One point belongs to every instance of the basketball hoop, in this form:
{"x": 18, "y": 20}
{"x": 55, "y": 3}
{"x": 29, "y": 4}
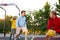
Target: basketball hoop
{"x": 10, "y": 4}
{"x": 6, "y": 4}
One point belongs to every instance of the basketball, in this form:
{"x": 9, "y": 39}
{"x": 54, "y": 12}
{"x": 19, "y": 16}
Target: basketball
{"x": 51, "y": 33}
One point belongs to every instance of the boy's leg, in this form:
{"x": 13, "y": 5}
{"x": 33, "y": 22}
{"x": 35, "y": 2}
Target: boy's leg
{"x": 25, "y": 30}
{"x": 14, "y": 31}
{"x": 17, "y": 32}
{"x": 26, "y": 34}
{"x": 11, "y": 33}
{"x": 47, "y": 37}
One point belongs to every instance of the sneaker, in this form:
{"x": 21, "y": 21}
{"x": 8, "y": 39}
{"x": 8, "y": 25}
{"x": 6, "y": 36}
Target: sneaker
{"x": 19, "y": 37}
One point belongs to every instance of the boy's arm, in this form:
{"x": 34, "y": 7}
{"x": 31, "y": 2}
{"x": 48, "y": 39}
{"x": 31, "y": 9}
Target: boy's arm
{"x": 25, "y": 23}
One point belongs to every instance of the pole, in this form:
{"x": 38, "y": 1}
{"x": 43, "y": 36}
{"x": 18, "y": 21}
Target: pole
{"x": 4, "y": 22}
{"x": 18, "y": 9}
{"x": 5, "y": 25}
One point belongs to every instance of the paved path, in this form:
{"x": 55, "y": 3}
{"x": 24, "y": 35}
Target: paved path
{"x": 8, "y": 35}
{"x": 30, "y": 37}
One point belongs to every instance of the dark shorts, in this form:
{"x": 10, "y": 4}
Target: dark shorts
{"x": 13, "y": 30}
{"x": 58, "y": 33}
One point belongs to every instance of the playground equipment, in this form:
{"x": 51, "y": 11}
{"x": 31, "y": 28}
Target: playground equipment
{"x": 10, "y": 4}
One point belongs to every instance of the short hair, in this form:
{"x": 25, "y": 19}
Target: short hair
{"x": 14, "y": 18}
{"x": 54, "y": 12}
{"x": 23, "y": 11}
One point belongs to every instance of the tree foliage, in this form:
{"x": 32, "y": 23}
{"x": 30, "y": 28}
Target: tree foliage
{"x": 8, "y": 26}
{"x": 58, "y": 7}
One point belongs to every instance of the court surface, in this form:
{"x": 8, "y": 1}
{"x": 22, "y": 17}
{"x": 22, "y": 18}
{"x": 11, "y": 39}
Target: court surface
{"x": 30, "y": 37}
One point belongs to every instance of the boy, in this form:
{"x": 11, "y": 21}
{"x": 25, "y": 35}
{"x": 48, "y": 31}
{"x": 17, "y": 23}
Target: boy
{"x": 13, "y": 27}
{"x": 21, "y": 24}
{"x": 53, "y": 25}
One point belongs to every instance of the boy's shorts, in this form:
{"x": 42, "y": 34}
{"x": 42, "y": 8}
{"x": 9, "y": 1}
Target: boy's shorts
{"x": 18, "y": 29}
{"x": 13, "y": 31}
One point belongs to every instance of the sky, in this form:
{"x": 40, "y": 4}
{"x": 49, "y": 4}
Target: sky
{"x": 24, "y": 5}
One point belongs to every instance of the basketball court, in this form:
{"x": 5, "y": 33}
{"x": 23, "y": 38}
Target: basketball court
{"x": 30, "y": 37}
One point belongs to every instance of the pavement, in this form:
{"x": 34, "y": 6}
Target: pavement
{"x": 30, "y": 37}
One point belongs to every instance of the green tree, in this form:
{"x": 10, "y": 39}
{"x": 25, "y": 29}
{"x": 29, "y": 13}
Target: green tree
{"x": 1, "y": 25}
{"x": 8, "y": 25}
{"x": 41, "y": 17}
{"x": 29, "y": 22}
{"x": 44, "y": 16}
{"x": 58, "y": 7}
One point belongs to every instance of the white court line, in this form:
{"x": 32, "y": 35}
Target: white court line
{"x": 33, "y": 37}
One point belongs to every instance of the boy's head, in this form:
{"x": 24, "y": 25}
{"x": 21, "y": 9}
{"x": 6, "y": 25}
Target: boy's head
{"x": 23, "y": 13}
{"x": 52, "y": 14}
{"x": 14, "y": 18}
